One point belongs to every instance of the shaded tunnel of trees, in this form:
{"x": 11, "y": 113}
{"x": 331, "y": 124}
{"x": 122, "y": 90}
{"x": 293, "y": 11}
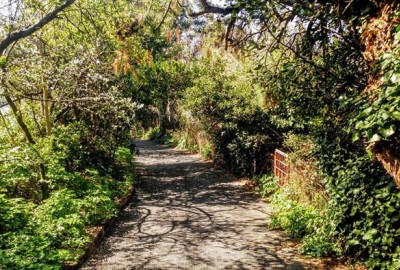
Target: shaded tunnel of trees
{"x": 232, "y": 80}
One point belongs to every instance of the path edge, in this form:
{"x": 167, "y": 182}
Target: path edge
{"x": 100, "y": 232}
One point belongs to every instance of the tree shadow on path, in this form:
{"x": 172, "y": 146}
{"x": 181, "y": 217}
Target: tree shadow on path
{"x": 191, "y": 215}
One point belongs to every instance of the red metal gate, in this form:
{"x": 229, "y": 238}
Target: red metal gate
{"x": 281, "y": 166}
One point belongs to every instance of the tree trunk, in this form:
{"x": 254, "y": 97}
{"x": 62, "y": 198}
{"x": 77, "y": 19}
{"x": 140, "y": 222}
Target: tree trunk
{"x": 7, "y": 128}
{"x": 164, "y": 122}
{"x": 29, "y": 137}
{"x": 4, "y": 45}
{"x": 46, "y": 111}
{"x": 20, "y": 120}
{"x": 391, "y": 163}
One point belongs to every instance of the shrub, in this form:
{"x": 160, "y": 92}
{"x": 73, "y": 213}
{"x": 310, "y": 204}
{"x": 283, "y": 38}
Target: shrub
{"x": 363, "y": 208}
{"x": 206, "y": 151}
{"x": 14, "y": 214}
{"x": 320, "y": 242}
{"x": 153, "y": 134}
{"x": 241, "y": 132}
{"x": 54, "y": 233}
{"x": 99, "y": 207}
{"x": 293, "y": 217}
{"x": 41, "y": 235}
{"x": 267, "y": 185}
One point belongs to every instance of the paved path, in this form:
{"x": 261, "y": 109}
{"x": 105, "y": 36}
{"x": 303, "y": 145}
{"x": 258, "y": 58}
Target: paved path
{"x": 190, "y": 215}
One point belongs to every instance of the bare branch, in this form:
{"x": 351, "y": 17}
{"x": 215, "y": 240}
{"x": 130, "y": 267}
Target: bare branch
{"x": 164, "y": 16}
{"x": 229, "y": 30}
{"x": 207, "y": 9}
{"x": 15, "y": 36}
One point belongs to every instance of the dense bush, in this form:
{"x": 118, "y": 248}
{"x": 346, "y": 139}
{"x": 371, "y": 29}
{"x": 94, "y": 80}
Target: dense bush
{"x": 240, "y": 131}
{"x": 297, "y": 218}
{"x": 267, "y": 185}
{"x": 153, "y": 134}
{"x": 54, "y": 232}
{"x": 364, "y": 207}
{"x": 292, "y": 217}
{"x": 360, "y": 219}
{"x": 36, "y": 234}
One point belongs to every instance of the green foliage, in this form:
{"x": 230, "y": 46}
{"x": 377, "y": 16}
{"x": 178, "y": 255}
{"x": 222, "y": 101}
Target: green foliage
{"x": 98, "y": 207}
{"x": 380, "y": 119}
{"x": 20, "y": 171}
{"x": 320, "y": 242}
{"x": 290, "y": 215}
{"x": 240, "y": 131}
{"x": 305, "y": 175}
{"x": 184, "y": 140}
{"x": 206, "y": 151}
{"x": 15, "y": 214}
{"x": 362, "y": 198}
{"x": 3, "y": 61}
{"x": 162, "y": 85}
{"x": 55, "y": 229}
{"x": 41, "y": 236}
{"x": 298, "y": 219}
{"x": 267, "y": 185}
{"x": 153, "y": 134}
{"x": 27, "y": 251}
{"x": 363, "y": 201}
{"x": 163, "y": 137}
{"x": 54, "y": 233}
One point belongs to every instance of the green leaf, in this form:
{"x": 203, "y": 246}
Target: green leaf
{"x": 3, "y": 60}
{"x": 370, "y": 234}
{"x": 355, "y": 137}
{"x": 353, "y": 242}
{"x": 365, "y": 112}
{"x": 385, "y": 115}
{"x": 360, "y": 125}
{"x": 393, "y": 91}
{"x": 388, "y": 131}
{"x": 396, "y": 115}
{"x": 395, "y": 78}
{"x": 376, "y": 138}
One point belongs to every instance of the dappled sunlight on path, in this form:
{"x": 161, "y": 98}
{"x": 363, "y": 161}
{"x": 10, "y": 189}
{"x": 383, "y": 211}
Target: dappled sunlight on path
{"x": 190, "y": 215}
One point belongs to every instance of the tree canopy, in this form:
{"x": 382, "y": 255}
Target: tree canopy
{"x": 232, "y": 80}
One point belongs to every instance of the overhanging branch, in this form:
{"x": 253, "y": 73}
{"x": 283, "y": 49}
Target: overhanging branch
{"x": 15, "y": 36}
{"x": 209, "y": 9}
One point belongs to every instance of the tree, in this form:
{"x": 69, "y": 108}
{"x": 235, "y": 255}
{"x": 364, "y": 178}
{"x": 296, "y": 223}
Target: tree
{"x": 5, "y": 50}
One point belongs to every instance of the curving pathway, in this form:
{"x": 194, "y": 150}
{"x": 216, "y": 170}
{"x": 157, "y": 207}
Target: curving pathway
{"x": 190, "y": 215}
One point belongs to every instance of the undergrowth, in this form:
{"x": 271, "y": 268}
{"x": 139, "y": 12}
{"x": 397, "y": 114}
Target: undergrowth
{"x": 42, "y": 234}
